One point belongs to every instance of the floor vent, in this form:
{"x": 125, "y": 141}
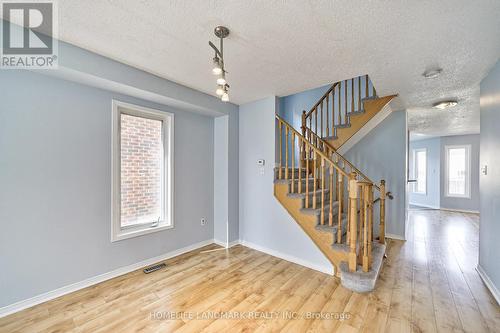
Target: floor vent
{"x": 154, "y": 268}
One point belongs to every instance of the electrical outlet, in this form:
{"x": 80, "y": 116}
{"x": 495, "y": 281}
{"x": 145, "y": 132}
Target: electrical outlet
{"x": 203, "y": 221}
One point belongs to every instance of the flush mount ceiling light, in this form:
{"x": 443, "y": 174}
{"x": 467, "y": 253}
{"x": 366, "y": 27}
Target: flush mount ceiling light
{"x": 218, "y": 64}
{"x": 432, "y": 73}
{"x": 445, "y": 104}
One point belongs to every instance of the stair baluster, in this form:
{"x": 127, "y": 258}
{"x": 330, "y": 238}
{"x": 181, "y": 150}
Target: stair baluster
{"x": 346, "y": 118}
{"x": 286, "y": 152}
{"x": 280, "y": 150}
{"x": 364, "y": 220}
{"x": 359, "y": 94}
{"x": 352, "y": 96}
{"x": 382, "y": 212}
{"x": 340, "y": 199}
{"x": 314, "y": 178}
{"x": 366, "y": 86}
{"x": 293, "y": 162}
{"x": 353, "y": 221}
{"x": 322, "y": 191}
{"x": 307, "y": 176}
{"x": 339, "y": 110}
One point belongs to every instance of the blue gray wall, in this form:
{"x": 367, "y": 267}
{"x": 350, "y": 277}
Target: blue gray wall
{"x": 489, "y": 229}
{"x": 264, "y": 223}
{"x": 466, "y": 204}
{"x": 291, "y": 106}
{"x": 55, "y": 197}
{"x": 381, "y": 154}
{"x": 432, "y": 198}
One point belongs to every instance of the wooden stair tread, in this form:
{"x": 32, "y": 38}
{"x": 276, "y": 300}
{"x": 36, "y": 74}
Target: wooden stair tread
{"x": 303, "y": 194}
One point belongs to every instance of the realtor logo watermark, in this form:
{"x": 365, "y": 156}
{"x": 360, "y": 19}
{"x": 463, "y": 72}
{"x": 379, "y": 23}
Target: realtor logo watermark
{"x": 29, "y": 35}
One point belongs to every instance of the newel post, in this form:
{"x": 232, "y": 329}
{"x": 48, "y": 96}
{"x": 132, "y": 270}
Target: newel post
{"x": 382, "y": 212}
{"x": 353, "y": 221}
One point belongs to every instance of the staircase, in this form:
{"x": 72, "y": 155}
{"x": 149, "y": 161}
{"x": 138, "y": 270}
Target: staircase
{"x": 331, "y": 199}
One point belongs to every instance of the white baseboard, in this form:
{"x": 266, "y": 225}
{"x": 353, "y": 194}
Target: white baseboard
{"x": 225, "y": 244}
{"x": 220, "y": 243}
{"x": 324, "y": 269}
{"x": 394, "y": 236}
{"x": 460, "y": 210}
{"x": 24, "y": 304}
{"x": 487, "y": 281}
{"x": 425, "y": 206}
{"x": 233, "y": 243}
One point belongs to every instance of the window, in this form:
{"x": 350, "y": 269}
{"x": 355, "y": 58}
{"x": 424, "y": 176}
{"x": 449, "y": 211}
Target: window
{"x": 458, "y": 171}
{"x": 142, "y": 171}
{"x": 420, "y": 170}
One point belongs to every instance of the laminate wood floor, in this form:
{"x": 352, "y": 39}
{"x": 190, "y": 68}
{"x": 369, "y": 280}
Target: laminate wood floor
{"x": 427, "y": 284}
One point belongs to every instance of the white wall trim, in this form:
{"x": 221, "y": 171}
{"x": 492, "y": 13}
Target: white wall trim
{"x": 446, "y": 209}
{"x": 233, "y": 243}
{"x": 167, "y": 189}
{"x": 24, "y": 304}
{"x": 487, "y": 281}
{"x": 424, "y": 206}
{"x": 320, "y": 268}
{"x": 225, "y": 244}
{"x": 460, "y": 210}
{"x": 220, "y": 243}
{"x": 394, "y": 236}
{"x": 367, "y": 128}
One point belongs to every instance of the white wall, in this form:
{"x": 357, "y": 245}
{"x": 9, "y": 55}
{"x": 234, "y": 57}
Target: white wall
{"x": 263, "y": 221}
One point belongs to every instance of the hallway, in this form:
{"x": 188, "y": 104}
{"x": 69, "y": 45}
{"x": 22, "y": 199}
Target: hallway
{"x": 437, "y": 272}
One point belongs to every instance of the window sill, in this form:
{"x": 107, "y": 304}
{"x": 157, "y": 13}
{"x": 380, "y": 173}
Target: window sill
{"x": 126, "y": 234}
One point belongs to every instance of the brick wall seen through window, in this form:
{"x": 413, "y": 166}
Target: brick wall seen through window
{"x": 141, "y": 169}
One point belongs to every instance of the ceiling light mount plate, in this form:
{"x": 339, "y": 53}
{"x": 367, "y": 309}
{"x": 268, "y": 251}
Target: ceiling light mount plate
{"x": 432, "y": 73}
{"x": 221, "y": 31}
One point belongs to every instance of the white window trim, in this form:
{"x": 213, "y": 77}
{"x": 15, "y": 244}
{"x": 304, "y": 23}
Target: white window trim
{"x": 415, "y": 185}
{"x": 468, "y": 171}
{"x": 118, "y": 233}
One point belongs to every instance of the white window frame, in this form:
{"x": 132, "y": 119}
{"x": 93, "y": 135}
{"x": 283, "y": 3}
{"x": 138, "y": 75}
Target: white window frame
{"x": 467, "y": 171}
{"x": 117, "y": 231}
{"x": 415, "y": 173}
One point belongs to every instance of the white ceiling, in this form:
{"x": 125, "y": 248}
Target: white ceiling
{"x": 281, "y": 47}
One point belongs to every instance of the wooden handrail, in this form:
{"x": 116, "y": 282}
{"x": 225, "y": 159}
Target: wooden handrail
{"x": 306, "y": 141}
{"x": 322, "y": 98}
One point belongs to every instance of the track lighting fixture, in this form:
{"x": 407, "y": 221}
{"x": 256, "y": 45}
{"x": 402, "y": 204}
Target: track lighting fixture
{"x": 222, "y": 79}
{"x": 218, "y": 64}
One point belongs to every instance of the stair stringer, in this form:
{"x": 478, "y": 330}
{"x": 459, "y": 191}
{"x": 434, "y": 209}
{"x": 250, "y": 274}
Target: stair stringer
{"x": 323, "y": 240}
{"x": 375, "y": 111}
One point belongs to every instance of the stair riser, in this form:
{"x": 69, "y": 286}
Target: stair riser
{"x": 335, "y": 211}
{"x": 290, "y": 172}
{"x": 318, "y": 200}
{"x": 311, "y": 186}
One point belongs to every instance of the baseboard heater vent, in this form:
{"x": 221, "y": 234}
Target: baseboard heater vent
{"x": 154, "y": 268}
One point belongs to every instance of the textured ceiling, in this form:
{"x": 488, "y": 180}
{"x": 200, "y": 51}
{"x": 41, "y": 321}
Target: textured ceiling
{"x": 281, "y": 47}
